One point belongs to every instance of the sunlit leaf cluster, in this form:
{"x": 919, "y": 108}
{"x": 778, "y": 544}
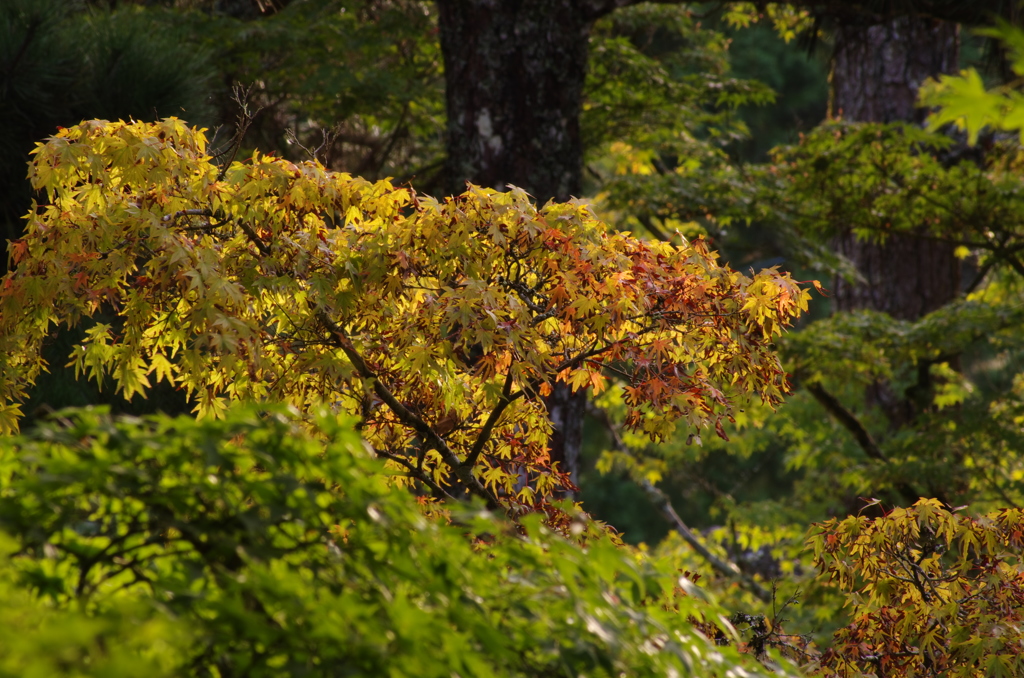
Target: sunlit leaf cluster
{"x": 443, "y": 325}
{"x": 934, "y": 592}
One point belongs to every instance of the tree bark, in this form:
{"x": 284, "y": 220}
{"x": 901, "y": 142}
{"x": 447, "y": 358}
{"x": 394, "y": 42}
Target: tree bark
{"x": 876, "y": 73}
{"x": 514, "y": 75}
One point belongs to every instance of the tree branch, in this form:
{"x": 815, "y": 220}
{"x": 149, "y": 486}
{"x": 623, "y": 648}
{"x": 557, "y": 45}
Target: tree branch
{"x": 847, "y": 419}
{"x": 656, "y": 231}
{"x": 407, "y": 417}
{"x": 414, "y": 472}
{"x": 850, "y": 422}
{"x": 492, "y": 421}
{"x": 664, "y": 504}
{"x": 728, "y": 568}
{"x": 249, "y": 233}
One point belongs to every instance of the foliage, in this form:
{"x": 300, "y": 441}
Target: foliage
{"x": 933, "y": 592}
{"x": 661, "y": 107}
{"x": 799, "y": 79}
{"x": 285, "y": 557}
{"x": 655, "y": 76}
{"x": 787, "y": 20}
{"x": 357, "y": 82}
{"x": 953, "y": 439}
{"x": 964, "y": 100}
{"x": 956, "y": 372}
{"x": 441, "y": 324}
{"x": 124, "y": 641}
{"x": 60, "y": 64}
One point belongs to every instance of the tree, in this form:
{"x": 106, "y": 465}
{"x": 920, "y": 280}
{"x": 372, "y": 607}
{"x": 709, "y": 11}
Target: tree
{"x": 442, "y": 325}
{"x": 933, "y": 592}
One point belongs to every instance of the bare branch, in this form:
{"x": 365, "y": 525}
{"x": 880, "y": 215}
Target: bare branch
{"x": 848, "y": 420}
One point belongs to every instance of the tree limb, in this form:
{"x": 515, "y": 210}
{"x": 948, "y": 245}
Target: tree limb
{"x": 492, "y": 421}
{"x": 850, "y": 422}
{"x": 728, "y": 568}
{"x": 407, "y": 417}
{"x": 847, "y": 419}
{"x": 664, "y": 504}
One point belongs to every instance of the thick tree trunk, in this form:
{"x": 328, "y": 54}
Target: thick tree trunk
{"x": 877, "y": 71}
{"x": 514, "y": 74}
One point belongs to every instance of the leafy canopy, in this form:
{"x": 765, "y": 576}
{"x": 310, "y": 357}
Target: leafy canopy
{"x": 442, "y": 325}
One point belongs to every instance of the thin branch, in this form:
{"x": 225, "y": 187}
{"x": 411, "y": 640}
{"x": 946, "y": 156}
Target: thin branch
{"x": 415, "y": 472}
{"x": 1015, "y": 263}
{"x": 492, "y": 421}
{"x": 661, "y": 500}
{"x": 852, "y": 424}
{"x": 407, "y": 417}
{"x": 240, "y": 95}
{"x": 980, "y": 277}
{"x": 848, "y": 420}
{"x": 186, "y": 213}
{"x": 251, "y": 234}
{"x": 254, "y": 239}
{"x": 728, "y": 568}
{"x": 22, "y": 50}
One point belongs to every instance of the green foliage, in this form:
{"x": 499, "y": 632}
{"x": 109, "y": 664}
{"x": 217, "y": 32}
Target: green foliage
{"x": 284, "y": 557}
{"x": 799, "y": 79}
{"x": 954, "y": 372}
{"x": 875, "y": 181}
{"x": 126, "y": 640}
{"x": 963, "y": 99}
{"x": 661, "y": 107}
{"x": 356, "y": 82}
{"x": 655, "y": 76}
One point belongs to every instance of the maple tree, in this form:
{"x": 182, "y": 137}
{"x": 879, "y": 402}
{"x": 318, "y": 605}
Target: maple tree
{"x": 441, "y": 324}
{"x": 933, "y": 592}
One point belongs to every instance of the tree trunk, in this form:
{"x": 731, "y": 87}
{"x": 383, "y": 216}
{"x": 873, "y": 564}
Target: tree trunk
{"x": 514, "y": 75}
{"x": 876, "y": 73}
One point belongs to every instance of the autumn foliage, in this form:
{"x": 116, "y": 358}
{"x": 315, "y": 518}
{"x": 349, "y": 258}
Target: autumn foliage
{"x": 441, "y": 324}
{"x": 933, "y": 592}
